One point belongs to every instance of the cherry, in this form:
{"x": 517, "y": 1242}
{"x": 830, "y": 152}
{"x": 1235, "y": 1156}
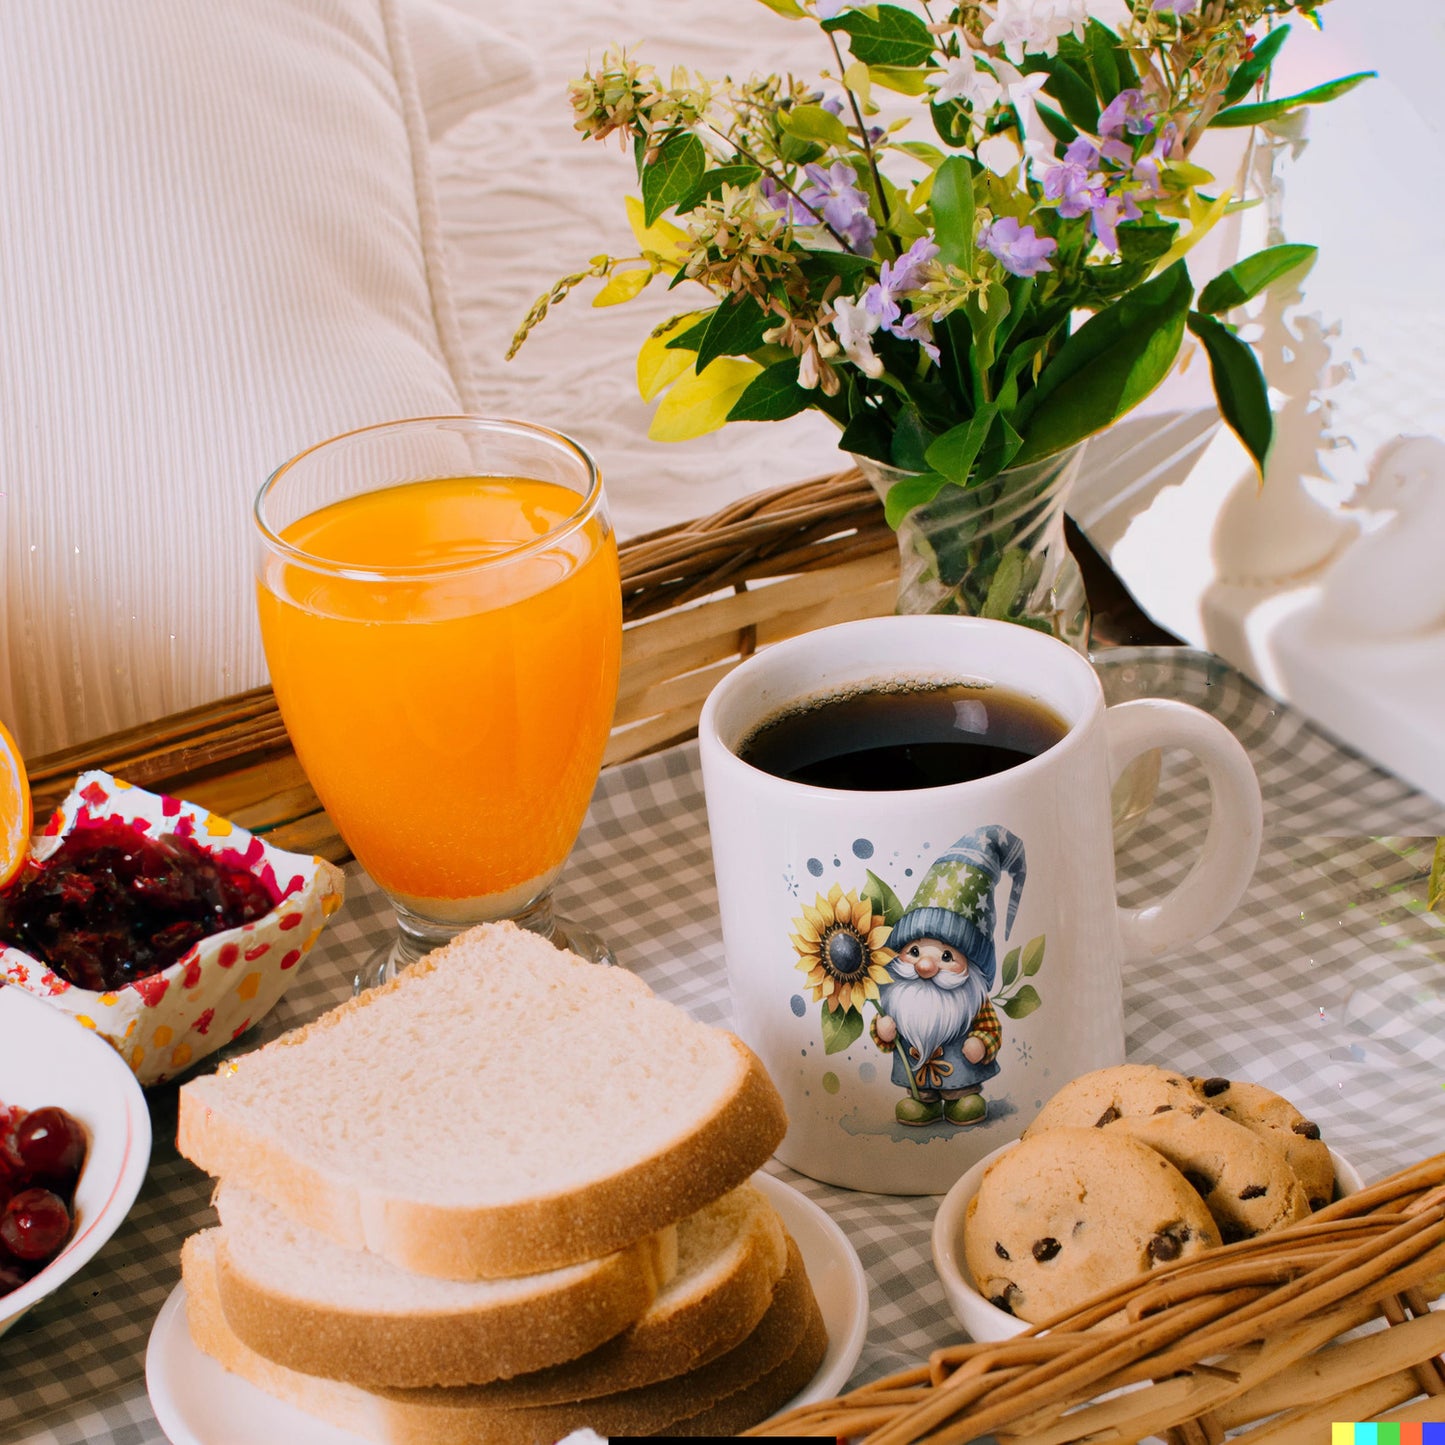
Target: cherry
{"x": 34, "y": 1225}
{"x": 12, "y": 1275}
{"x": 51, "y": 1145}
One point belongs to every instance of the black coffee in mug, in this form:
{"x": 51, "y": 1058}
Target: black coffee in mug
{"x": 902, "y": 735}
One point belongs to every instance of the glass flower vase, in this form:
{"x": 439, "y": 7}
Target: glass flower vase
{"x": 994, "y": 548}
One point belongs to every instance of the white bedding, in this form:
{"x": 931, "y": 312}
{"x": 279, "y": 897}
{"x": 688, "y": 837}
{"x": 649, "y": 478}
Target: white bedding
{"x": 525, "y": 200}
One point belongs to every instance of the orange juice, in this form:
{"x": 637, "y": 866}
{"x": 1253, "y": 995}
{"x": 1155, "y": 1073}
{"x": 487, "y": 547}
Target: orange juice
{"x": 451, "y": 697}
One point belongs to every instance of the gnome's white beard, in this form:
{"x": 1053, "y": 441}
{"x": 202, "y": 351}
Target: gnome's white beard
{"x": 928, "y": 1011}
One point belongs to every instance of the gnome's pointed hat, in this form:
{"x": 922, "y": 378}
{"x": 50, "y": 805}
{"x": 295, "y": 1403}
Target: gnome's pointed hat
{"x": 954, "y": 901}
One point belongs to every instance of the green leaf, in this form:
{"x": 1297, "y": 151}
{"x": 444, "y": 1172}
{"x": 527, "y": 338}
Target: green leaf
{"x": 882, "y": 899}
{"x": 1056, "y": 125}
{"x": 915, "y": 490}
{"x": 1247, "y": 278}
{"x": 922, "y": 150}
{"x": 1023, "y": 1003}
{"x": 1005, "y": 586}
{"x": 1099, "y": 52}
{"x": 1009, "y": 968}
{"x": 1238, "y": 115}
{"x": 1252, "y": 71}
{"x": 710, "y": 183}
{"x": 840, "y": 1028}
{"x": 672, "y": 174}
{"x": 1033, "y": 956}
{"x": 954, "y": 453}
{"x": 1435, "y": 897}
{"x": 885, "y": 35}
{"x": 1107, "y": 367}
{"x": 734, "y": 329}
{"x": 788, "y": 9}
{"x": 813, "y": 123}
{"x": 1068, "y": 86}
{"x": 773, "y": 395}
{"x": 1239, "y": 385}
{"x": 691, "y": 339}
{"x": 952, "y": 205}
{"x": 868, "y": 434}
{"x": 899, "y": 78}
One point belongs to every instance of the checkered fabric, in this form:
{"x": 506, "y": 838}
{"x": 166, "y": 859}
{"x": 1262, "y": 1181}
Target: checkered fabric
{"x": 1327, "y": 984}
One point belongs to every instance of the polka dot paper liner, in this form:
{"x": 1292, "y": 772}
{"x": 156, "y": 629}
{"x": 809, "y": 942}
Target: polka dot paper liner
{"x": 223, "y": 984}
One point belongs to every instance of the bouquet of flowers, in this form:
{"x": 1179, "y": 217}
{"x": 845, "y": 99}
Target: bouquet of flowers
{"x": 970, "y": 274}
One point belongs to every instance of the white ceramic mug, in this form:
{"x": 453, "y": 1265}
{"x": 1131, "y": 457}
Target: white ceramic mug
{"x": 841, "y": 909}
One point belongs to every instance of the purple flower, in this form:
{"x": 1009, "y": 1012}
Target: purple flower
{"x": 1176, "y": 7}
{"x": 917, "y": 328}
{"x": 833, "y": 105}
{"x": 1131, "y": 111}
{"x": 834, "y": 193}
{"x": 1108, "y": 216}
{"x": 779, "y": 198}
{"x": 1020, "y": 249}
{"x": 1082, "y": 152}
{"x": 909, "y": 271}
{"x": 1076, "y": 188}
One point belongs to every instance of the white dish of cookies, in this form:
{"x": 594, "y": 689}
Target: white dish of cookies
{"x": 1064, "y": 1209}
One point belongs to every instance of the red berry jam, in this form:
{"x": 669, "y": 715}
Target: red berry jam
{"x": 41, "y": 1154}
{"x": 112, "y": 904}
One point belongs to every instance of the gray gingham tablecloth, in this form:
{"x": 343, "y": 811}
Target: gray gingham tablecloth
{"x": 1328, "y": 983}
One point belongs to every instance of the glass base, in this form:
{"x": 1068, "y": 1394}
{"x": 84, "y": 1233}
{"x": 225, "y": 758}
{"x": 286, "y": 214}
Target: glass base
{"x": 384, "y": 963}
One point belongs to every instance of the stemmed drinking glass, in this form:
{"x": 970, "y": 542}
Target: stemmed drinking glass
{"x": 441, "y": 613}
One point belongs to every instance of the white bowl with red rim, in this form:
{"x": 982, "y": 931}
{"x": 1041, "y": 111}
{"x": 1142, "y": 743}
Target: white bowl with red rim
{"x": 46, "y": 1058}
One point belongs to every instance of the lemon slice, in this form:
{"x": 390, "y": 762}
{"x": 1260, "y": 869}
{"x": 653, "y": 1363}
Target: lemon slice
{"x": 15, "y": 814}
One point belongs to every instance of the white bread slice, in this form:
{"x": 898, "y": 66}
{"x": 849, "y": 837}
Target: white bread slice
{"x": 312, "y": 1305}
{"x": 499, "y": 1109}
{"x": 739, "y": 1388}
{"x": 302, "y": 1299}
{"x": 730, "y": 1256}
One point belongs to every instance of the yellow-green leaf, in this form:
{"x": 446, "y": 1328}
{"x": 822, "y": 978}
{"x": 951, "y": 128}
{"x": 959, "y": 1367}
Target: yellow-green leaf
{"x": 899, "y": 78}
{"x": 858, "y": 80}
{"x": 1202, "y": 217}
{"x": 659, "y": 365}
{"x": 623, "y": 286}
{"x": 695, "y": 405}
{"x": 662, "y": 238}
{"x": 788, "y": 9}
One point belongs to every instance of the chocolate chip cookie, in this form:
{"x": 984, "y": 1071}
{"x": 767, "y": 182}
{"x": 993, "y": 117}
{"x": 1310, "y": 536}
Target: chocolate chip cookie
{"x": 1245, "y": 1183}
{"x": 1123, "y": 1091}
{"x": 1278, "y": 1122}
{"x": 1069, "y": 1212}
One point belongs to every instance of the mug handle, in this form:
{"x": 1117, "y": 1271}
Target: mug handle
{"x": 1221, "y": 873}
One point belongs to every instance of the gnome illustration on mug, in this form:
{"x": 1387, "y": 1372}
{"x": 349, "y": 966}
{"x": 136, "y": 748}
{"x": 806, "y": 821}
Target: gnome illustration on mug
{"x": 936, "y": 1017}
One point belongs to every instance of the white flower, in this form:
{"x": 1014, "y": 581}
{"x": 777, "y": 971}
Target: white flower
{"x": 966, "y": 79}
{"x": 1000, "y": 154}
{"x": 1033, "y": 26}
{"x": 854, "y": 325}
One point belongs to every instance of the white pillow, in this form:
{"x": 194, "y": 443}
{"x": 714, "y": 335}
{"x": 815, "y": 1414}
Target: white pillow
{"x": 460, "y": 64}
{"x": 218, "y": 245}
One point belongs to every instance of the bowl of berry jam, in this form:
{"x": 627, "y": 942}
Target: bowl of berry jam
{"x": 75, "y": 1140}
{"x": 164, "y": 928}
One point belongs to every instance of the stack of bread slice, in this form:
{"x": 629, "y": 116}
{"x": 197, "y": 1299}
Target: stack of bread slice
{"x": 504, "y": 1197}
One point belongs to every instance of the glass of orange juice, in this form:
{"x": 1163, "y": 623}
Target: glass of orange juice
{"x": 442, "y": 617}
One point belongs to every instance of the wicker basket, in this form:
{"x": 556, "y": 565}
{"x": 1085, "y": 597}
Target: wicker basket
{"x": 697, "y": 599}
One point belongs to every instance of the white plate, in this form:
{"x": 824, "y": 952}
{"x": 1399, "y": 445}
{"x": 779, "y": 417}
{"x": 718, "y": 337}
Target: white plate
{"x": 48, "y": 1058}
{"x": 199, "y": 1403}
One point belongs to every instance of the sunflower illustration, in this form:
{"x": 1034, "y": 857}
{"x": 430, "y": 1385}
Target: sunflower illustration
{"x": 839, "y": 943}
